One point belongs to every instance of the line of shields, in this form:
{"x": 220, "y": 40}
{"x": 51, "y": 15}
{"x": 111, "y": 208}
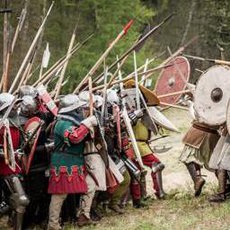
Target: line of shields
{"x": 210, "y": 96}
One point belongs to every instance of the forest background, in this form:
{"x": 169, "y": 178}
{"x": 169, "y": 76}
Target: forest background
{"x": 209, "y": 19}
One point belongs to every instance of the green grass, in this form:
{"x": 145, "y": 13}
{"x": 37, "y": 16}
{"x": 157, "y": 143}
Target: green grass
{"x": 184, "y": 213}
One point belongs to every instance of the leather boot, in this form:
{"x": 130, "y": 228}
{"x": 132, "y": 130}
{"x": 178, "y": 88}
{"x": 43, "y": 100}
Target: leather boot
{"x": 83, "y": 220}
{"x": 222, "y": 180}
{"x": 196, "y": 177}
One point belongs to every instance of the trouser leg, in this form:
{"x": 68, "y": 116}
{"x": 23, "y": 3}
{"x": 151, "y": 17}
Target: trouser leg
{"x": 54, "y": 211}
{"x": 86, "y": 200}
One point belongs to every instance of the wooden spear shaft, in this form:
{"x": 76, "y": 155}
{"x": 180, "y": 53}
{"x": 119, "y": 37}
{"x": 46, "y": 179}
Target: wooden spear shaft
{"x": 136, "y": 44}
{"x": 30, "y": 50}
{"x": 216, "y": 61}
{"x": 104, "y": 55}
{"x": 59, "y": 82}
{"x": 174, "y": 93}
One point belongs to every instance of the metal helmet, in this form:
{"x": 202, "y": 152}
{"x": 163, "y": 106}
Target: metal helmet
{"x": 5, "y": 100}
{"x": 98, "y": 101}
{"x": 28, "y": 105}
{"x": 112, "y": 97}
{"x": 27, "y": 90}
{"x": 69, "y": 103}
{"x": 84, "y": 96}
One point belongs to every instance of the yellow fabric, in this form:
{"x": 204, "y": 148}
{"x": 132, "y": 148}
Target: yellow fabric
{"x": 144, "y": 148}
{"x": 140, "y": 131}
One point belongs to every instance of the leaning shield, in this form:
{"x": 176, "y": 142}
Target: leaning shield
{"x": 161, "y": 119}
{"x": 32, "y": 129}
{"x": 211, "y": 95}
{"x": 173, "y": 79}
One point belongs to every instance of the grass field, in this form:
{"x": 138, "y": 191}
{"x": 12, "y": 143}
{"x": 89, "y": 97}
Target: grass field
{"x": 180, "y": 211}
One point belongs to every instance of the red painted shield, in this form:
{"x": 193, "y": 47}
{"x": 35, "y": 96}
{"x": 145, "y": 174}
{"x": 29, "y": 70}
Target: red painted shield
{"x": 173, "y": 79}
{"x": 30, "y": 126}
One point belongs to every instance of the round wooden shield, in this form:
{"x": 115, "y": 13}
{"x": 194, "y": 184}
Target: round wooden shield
{"x": 212, "y": 94}
{"x": 173, "y": 79}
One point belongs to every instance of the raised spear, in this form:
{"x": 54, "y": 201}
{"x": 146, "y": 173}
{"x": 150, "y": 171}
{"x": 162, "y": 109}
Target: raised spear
{"x": 30, "y": 50}
{"x": 46, "y": 76}
{"x": 104, "y": 55}
{"x": 137, "y": 44}
{"x": 61, "y": 78}
{"x": 216, "y": 61}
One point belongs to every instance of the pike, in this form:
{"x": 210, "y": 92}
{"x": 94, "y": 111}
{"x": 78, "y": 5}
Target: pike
{"x": 130, "y": 76}
{"x": 104, "y": 55}
{"x": 176, "y": 53}
{"x": 138, "y": 102}
{"x": 5, "y": 11}
{"x": 53, "y": 69}
{"x": 216, "y": 61}
{"x": 35, "y": 40}
{"x": 140, "y": 42}
{"x": 45, "y": 59}
{"x": 61, "y": 78}
{"x": 129, "y": 126}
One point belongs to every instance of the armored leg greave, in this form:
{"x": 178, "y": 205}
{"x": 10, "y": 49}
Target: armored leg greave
{"x": 18, "y": 200}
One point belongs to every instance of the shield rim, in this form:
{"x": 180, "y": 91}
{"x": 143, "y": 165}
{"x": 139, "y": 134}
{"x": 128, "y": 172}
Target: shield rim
{"x": 188, "y": 77}
{"x": 198, "y": 114}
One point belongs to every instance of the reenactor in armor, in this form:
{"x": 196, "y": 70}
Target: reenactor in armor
{"x": 36, "y": 179}
{"x": 67, "y": 169}
{"x": 96, "y": 160}
{"x": 200, "y": 141}
{"x": 10, "y": 140}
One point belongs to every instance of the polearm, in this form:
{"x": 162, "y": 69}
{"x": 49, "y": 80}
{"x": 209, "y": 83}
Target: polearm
{"x": 4, "y": 81}
{"x": 216, "y": 61}
{"x": 5, "y": 11}
{"x": 56, "y": 66}
{"x": 23, "y": 79}
{"x": 143, "y": 39}
{"x": 176, "y": 53}
{"x": 131, "y": 76}
{"x": 113, "y": 77}
{"x": 104, "y": 55}
{"x": 61, "y": 78}
{"x": 149, "y": 72}
{"x": 30, "y": 50}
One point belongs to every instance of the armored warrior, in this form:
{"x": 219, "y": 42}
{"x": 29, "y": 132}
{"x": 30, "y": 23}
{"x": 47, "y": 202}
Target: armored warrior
{"x": 10, "y": 142}
{"x": 96, "y": 160}
{"x": 199, "y": 142}
{"x": 67, "y": 169}
{"x": 37, "y": 157}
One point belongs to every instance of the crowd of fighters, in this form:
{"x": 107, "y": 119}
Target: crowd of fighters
{"x": 63, "y": 167}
